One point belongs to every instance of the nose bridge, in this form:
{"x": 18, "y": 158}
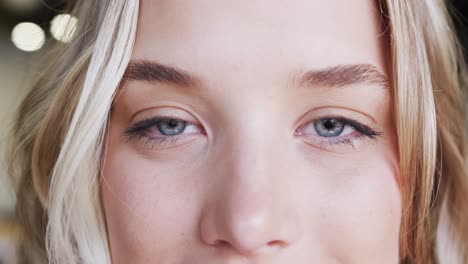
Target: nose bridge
{"x": 252, "y": 174}
{"x": 251, "y": 211}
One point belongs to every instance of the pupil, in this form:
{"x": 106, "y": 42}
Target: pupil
{"x": 330, "y": 124}
{"x": 172, "y": 123}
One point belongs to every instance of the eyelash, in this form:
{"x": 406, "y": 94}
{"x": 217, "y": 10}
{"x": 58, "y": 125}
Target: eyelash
{"x": 364, "y": 132}
{"x": 137, "y": 131}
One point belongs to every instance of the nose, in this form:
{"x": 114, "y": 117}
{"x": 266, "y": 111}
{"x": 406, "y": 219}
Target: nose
{"x": 250, "y": 210}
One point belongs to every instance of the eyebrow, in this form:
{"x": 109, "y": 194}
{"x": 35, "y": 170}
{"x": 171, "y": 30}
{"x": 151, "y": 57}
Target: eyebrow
{"x": 344, "y": 75}
{"x": 151, "y": 71}
{"x": 333, "y": 76}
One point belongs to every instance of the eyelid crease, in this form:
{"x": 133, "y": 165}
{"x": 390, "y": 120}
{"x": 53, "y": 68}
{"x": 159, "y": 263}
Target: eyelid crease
{"x": 346, "y": 120}
{"x": 185, "y": 112}
{"x": 333, "y": 111}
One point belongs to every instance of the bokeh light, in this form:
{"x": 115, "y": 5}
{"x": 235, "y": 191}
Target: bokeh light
{"x": 28, "y": 36}
{"x": 63, "y": 27}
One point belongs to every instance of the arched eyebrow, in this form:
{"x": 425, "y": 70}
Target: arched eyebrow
{"x": 152, "y": 71}
{"x": 343, "y": 76}
{"x": 333, "y": 76}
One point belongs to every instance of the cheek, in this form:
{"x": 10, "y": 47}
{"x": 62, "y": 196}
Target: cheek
{"x": 150, "y": 207}
{"x": 358, "y": 207}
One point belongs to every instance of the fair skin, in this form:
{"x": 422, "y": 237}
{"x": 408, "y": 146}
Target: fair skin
{"x": 274, "y": 154}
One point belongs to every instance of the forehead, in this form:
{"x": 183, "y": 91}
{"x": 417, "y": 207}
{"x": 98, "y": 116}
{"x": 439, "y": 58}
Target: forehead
{"x": 259, "y": 35}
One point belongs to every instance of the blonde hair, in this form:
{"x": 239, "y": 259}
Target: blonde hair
{"x": 57, "y": 140}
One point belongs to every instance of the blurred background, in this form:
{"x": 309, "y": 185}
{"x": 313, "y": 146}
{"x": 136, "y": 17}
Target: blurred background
{"x": 26, "y": 27}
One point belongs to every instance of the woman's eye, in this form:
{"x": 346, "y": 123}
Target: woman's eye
{"x": 162, "y": 130}
{"x": 336, "y": 130}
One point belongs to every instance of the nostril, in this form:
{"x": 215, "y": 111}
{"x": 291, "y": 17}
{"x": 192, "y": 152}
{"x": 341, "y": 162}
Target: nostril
{"x": 221, "y": 243}
{"x": 276, "y": 243}
{"x": 273, "y": 245}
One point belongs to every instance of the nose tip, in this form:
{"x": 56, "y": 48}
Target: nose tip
{"x": 257, "y": 232}
{"x": 249, "y": 237}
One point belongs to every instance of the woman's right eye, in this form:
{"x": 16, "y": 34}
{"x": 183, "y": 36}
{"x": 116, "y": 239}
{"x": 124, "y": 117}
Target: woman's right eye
{"x": 161, "y": 130}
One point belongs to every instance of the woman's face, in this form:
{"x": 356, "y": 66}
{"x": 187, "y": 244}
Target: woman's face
{"x": 254, "y": 132}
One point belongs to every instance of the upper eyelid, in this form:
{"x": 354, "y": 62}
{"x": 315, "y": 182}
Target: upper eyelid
{"x": 347, "y": 121}
{"x": 150, "y": 122}
{"x": 176, "y": 111}
{"x": 154, "y": 119}
{"x": 335, "y": 112}
{"x": 145, "y": 123}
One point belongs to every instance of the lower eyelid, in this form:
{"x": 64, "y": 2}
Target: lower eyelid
{"x": 351, "y": 141}
{"x": 165, "y": 144}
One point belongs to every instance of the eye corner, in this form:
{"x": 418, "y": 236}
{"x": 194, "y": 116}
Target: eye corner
{"x": 298, "y": 132}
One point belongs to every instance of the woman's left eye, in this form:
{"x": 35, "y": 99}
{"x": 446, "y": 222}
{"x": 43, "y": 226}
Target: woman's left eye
{"x": 337, "y": 130}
